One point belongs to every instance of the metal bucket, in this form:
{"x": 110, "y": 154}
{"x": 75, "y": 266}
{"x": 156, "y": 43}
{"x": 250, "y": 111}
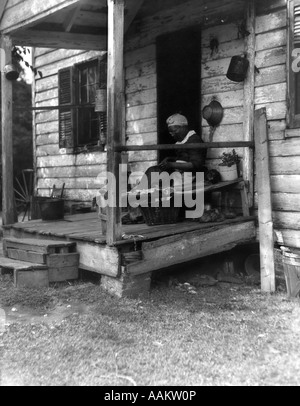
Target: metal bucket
{"x": 51, "y": 209}
{"x": 238, "y": 68}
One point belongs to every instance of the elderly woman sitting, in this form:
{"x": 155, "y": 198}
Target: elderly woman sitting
{"x": 186, "y": 160}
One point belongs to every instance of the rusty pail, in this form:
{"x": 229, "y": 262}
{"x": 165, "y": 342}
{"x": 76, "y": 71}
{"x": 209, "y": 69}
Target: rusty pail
{"x": 238, "y": 68}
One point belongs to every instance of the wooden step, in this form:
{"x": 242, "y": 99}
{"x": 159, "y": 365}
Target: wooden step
{"x": 26, "y": 274}
{"x": 38, "y": 246}
{"x": 59, "y": 256}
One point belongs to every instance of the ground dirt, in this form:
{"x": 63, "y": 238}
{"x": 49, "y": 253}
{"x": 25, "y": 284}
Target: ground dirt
{"x": 191, "y": 330}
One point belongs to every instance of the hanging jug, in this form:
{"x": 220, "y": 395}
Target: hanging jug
{"x": 238, "y": 68}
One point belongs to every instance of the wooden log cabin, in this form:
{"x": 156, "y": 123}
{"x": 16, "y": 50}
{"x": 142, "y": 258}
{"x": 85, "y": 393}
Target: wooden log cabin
{"x": 153, "y": 58}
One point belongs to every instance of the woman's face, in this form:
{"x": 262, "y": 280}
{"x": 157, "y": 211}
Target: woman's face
{"x": 178, "y": 132}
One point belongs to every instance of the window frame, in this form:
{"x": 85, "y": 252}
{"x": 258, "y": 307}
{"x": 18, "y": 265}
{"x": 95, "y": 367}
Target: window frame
{"x": 293, "y": 118}
{"x": 99, "y": 144}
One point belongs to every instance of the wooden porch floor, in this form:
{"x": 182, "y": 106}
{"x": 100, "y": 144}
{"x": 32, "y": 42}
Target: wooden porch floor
{"x": 86, "y": 227}
{"x": 156, "y": 247}
{"x": 128, "y": 265}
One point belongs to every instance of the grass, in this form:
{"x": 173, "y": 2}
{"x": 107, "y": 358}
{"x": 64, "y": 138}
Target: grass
{"x": 224, "y": 335}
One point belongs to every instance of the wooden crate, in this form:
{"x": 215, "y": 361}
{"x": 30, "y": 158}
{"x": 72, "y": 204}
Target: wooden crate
{"x": 59, "y": 257}
{"x": 26, "y": 274}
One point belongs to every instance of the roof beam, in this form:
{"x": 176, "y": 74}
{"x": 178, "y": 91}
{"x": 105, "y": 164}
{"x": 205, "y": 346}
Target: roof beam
{"x": 57, "y": 40}
{"x": 2, "y": 8}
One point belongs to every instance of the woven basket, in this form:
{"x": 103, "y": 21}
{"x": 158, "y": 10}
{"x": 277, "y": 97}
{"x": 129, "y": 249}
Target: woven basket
{"x": 160, "y": 215}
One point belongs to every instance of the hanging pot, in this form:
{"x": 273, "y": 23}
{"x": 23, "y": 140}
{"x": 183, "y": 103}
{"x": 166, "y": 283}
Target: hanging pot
{"x": 11, "y": 72}
{"x": 213, "y": 113}
{"x": 238, "y": 68}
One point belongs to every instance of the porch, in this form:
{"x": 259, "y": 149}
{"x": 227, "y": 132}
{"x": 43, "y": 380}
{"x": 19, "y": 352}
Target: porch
{"x": 126, "y": 267}
{"x": 126, "y": 263}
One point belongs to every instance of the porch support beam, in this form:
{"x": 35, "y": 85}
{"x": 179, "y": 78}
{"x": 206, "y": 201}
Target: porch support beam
{"x": 249, "y": 85}
{"x": 266, "y": 233}
{"x": 7, "y": 140}
{"x": 115, "y": 112}
{"x": 65, "y": 40}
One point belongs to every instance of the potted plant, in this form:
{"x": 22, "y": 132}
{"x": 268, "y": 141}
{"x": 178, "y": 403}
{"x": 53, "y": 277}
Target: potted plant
{"x": 229, "y": 166}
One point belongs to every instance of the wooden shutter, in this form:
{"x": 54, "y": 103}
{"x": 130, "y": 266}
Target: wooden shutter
{"x": 294, "y": 77}
{"x": 66, "y": 93}
{"x": 103, "y": 85}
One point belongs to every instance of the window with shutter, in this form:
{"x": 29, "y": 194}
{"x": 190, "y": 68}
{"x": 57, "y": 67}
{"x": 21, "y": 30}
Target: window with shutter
{"x": 103, "y": 85}
{"x": 294, "y": 74}
{"x": 66, "y": 115}
{"x": 81, "y": 127}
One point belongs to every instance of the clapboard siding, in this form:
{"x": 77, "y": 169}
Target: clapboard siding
{"x": 218, "y": 19}
{"x": 271, "y": 92}
{"x": 215, "y": 84}
{"x": 52, "y": 162}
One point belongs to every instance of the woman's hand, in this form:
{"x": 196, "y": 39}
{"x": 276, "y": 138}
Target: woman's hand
{"x": 165, "y": 164}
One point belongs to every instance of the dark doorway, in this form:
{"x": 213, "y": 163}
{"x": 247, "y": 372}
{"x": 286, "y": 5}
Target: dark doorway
{"x": 178, "y": 80}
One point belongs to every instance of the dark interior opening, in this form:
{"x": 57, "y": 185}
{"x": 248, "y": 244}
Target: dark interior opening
{"x": 178, "y": 80}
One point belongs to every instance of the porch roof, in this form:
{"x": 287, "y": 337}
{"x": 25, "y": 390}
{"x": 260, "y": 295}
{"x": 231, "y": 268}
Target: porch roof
{"x": 69, "y": 24}
{"x": 82, "y": 24}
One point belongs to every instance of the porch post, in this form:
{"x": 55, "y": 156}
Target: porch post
{"x": 115, "y": 92}
{"x": 249, "y": 87}
{"x": 7, "y": 141}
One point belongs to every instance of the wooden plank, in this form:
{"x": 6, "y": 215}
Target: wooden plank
{"x": 292, "y": 132}
{"x": 267, "y": 41}
{"x": 285, "y": 166}
{"x": 189, "y": 246}
{"x": 98, "y": 258}
{"x": 271, "y": 75}
{"x": 289, "y": 147}
{"x": 28, "y": 256}
{"x": 186, "y": 14}
{"x": 66, "y": 40}
{"x": 141, "y": 83}
{"x": 62, "y": 274}
{"x": 42, "y": 246}
{"x": 288, "y": 238}
{"x": 192, "y": 146}
{"x": 287, "y": 220}
{"x": 115, "y": 112}
{"x": 140, "y": 69}
{"x": 271, "y": 57}
{"x": 28, "y": 12}
{"x": 266, "y": 239}
{"x": 286, "y": 183}
{"x": 8, "y": 213}
{"x": 275, "y": 111}
{"x": 63, "y": 260}
{"x": 270, "y": 93}
{"x": 37, "y": 278}
{"x": 225, "y": 33}
{"x": 248, "y": 113}
{"x": 227, "y": 99}
{"x": 20, "y": 265}
{"x": 271, "y": 21}
{"x": 268, "y": 6}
